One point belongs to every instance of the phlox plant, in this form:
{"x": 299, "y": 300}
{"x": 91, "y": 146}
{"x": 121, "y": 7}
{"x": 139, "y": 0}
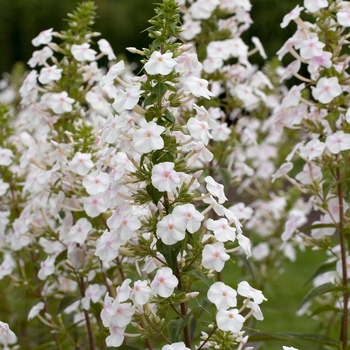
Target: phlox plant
{"x": 110, "y": 223}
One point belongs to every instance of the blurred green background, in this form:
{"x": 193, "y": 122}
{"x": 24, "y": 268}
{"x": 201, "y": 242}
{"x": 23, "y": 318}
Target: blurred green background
{"x": 120, "y": 22}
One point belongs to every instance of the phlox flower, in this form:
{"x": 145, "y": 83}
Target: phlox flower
{"x": 222, "y": 230}
{"x": 115, "y": 220}
{"x": 96, "y": 183}
{"x": 215, "y": 189}
{"x": 315, "y": 5}
{"x": 245, "y": 290}
{"x": 40, "y": 57}
{"x": 218, "y": 49}
{"x": 164, "y": 282}
{"x": 322, "y": 232}
{"x": 129, "y": 225}
{"x": 127, "y": 99}
{"x": 334, "y": 209}
{"x": 81, "y": 163}
{"x": 116, "y": 337}
{"x": 34, "y": 311}
{"x": 147, "y": 138}
{"x": 58, "y": 102}
{"x": 47, "y": 268}
{"x": 326, "y": 89}
{"x": 83, "y": 52}
{"x": 94, "y": 205}
{"x": 28, "y": 84}
{"x": 190, "y": 28}
{"x": 6, "y": 156}
{"x": 202, "y": 9}
{"x": 160, "y": 63}
{"x": 214, "y": 256}
{"x": 199, "y": 130}
{"x": 123, "y": 291}
{"x": 175, "y": 346}
{"x": 186, "y": 217}
{"x": 222, "y": 295}
{"x": 241, "y": 211}
{"x": 43, "y": 38}
{"x": 108, "y": 310}
{"x": 198, "y": 87}
{"x": 107, "y": 246}
{"x": 312, "y": 149}
{"x": 229, "y": 320}
{"x": 48, "y": 74}
{"x": 338, "y": 142}
{"x": 168, "y": 232}
{"x": 140, "y": 292}
{"x": 6, "y": 335}
{"x": 112, "y": 126}
{"x": 123, "y": 315}
{"x": 309, "y": 174}
{"x": 164, "y": 177}
{"x": 221, "y": 132}
{"x": 261, "y": 251}
{"x": 4, "y": 186}
{"x": 8, "y": 264}
{"x": 92, "y": 293}
{"x": 311, "y": 48}
{"x": 106, "y": 48}
{"x": 295, "y": 220}
{"x": 80, "y": 230}
{"x": 245, "y": 243}
{"x": 295, "y": 13}
{"x": 256, "y": 311}
{"x": 97, "y": 101}
{"x": 112, "y": 73}
{"x": 343, "y": 17}
{"x": 259, "y": 46}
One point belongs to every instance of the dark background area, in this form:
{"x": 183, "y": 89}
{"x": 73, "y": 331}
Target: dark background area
{"x": 121, "y": 22}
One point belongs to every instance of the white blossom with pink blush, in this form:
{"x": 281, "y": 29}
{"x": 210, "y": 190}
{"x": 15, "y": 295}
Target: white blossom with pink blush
{"x": 176, "y": 346}
{"x": 94, "y": 205}
{"x": 96, "y": 182}
{"x": 140, "y": 292}
{"x": 326, "y": 89}
{"x": 160, "y": 63}
{"x": 147, "y": 138}
{"x": 222, "y": 295}
{"x": 93, "y": 294}
{"x": 40, "y": 57}
{"x": 164, "y": 282}
{"x": 312, "y": 149}
{"x": 294, "y": 14}
{"x": 6, "y": 156}
{"x": 245, "y": 290}
{"x": 112, "y": 73}
{"x": 215, "y": 189}
{"x": 229, "y": 320}
{"x": 6, "y": 335}
{"x": 198, "y": 87}
{"x": 107, "y": 246}
{"x": 35, "y": 310}
{"x": 164, "y": 177}
{"x": 127, "y": 99}
{"x": 83, "y": 52}
{"x": 47, "y": 268}
{"x": 78, "y": 233}
{"x": 222, "y": 230}
{"x": 59, "y": 102}
{"x": 168, "y": 232}
{"x": 81, "y": 163}
{"x": 116, "y": 336}
{"x": 337, "y": 142}
{"x": 48, "y": 74}
{"x": 106, "y": 48}
{"x": 214, "y": 256}
{"x": 43, "y": 38}
{"x": 199, "y": 130}
{"x": 186, "y": 217}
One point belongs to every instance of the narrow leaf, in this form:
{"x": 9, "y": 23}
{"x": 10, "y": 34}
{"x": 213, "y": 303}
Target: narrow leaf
{"x": 329, "y": 266}
{"x": 320, "y": 290}
{"x": 176, "y": 326}
{"x": 169, "y": 116}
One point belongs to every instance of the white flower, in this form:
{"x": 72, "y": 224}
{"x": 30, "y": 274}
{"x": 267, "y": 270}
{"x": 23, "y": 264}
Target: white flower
{"x": 48, "y": 74}
{"x": 147, "y": 138}
{"x": 81, "y": 163}
{"x": 245, "y": 243}
{"x": 80, "y": 230}
{"x": 107, "y": 246}
{"x": 164, "y": 282}
{"x": 58, "y": 102}
{"x": 47, "y": 268}
{"x": 112, "y": 73}
{"x": 289, "y": 348}
{"x": 34, "y": 311}
{"x": 160, "y": 63}
{"x": 338, "y": 142}
{"x": 164, "y": 177}
{"x": 116, "y": 337}
{"x": 106, "y": 48}
{"x": 199, "y": 130}
{"x": 6, "y": 335}
{"x": 214, "y": 256}
{"x": 43, "y": 38}
{"x": 215, "y": 189}
{"x": 167, "y": 231}
{"x": 140, "y": 292}
{"x": 94, "y": 206}
{"x": 129, "y": 225}
{"x": 312, "y": 149}
{"x": 311, "y": 48}
{"x": 6, "y": 156}
{"x": 127, "y": 99}
{"x": 245, "y": 290}
{"x": 222, "y": 230}
{"x": 326, "y": 89}
{"x": 229, "y": 320}
{"x": 175, "y": 346}
{"x": 96, "y": 183}
{"x": 291, "y": 15}
{"x": 222, "y": 296}
{"x": 124, "y": 313}
{"x": 198, "y": 87}
{"x": 92, "y": 293}
{"x": 186, "y": 217}
{"x": 40, "y": 57}
{"x": 83, "y": 52}
{"x": 315, "y": 5}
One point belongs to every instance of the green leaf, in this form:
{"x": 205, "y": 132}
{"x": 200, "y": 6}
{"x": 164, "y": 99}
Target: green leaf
{"x": 149, "y": 100}
{"x": 170, "y": 252}
{"x": 61, "y": 256}
{"x": 320, "y": 290}
{"x": 314, "y": 227}
{"x": 176, "y": 326}
{"x": 287, "y": 337}
{"x": 163, "y": 156}
{"x": 159, "y": 90}
{"x": 324, "y": 308}
{"x": 199, "y": 275}
{"x": 154, "y": 193}
{"x": 66, "y": 301}
{"x": 169, "y": 116}
{"x": 329, "y": 266}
